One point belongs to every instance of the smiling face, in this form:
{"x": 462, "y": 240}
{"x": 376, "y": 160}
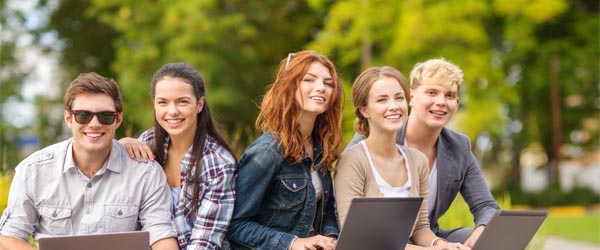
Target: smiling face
{"x": 314, "y": 91}
{"x": 93, "y": 138}
{"x": 433, "y": 104}
{"x": 386, "y": 106}
{"x": 176, "y": 107}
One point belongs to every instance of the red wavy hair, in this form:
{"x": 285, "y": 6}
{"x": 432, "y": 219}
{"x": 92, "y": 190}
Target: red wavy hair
{"x": 280, "y": 111}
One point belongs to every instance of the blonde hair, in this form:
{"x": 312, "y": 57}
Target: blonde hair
{"x": 436, "y": 71}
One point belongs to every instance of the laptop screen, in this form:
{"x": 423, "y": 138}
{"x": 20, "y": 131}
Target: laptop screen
{"x": 114, "y": 241}
{"x": 379, "y": 223}
{"x": 510, "y": 229}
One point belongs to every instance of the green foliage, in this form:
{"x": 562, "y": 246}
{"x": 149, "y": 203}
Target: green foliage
{"x": 12, "y": 77}
{"x": 459, "y": 215}
{"x": 4, "y": 188}
{"x": 236, "y": 45}
{"x": 504, "y": 47}
{"x": 555, "y": 196}
{"x": 406, "y": 32}
{"x": 535, "y": 36}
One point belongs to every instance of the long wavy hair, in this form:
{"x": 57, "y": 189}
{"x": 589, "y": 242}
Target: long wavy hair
{"x": 207, "y": 125}
{"x": 280, "y": 111}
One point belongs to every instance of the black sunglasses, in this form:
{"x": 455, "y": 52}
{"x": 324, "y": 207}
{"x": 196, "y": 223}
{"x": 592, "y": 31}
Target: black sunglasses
{"x": 84, "y": 116}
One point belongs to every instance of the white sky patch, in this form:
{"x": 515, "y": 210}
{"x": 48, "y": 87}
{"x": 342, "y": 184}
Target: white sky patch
{"x": 42, "y": 68}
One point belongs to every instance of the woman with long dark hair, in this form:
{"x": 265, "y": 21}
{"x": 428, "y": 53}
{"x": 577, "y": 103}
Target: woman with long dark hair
{"x": 197, "y": 159}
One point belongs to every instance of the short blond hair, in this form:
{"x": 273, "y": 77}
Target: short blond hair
{"x": 436, "y": 71}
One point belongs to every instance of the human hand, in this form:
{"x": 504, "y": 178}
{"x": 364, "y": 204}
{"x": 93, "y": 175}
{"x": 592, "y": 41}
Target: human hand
{"x": 137, "y": 150}
{"x": 444, "y": 245}
{"x": 317, "y": 242}
{"x": 474, "y": 236}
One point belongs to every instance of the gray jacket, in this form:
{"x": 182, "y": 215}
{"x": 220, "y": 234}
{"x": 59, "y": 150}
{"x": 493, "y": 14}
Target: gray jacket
{"x": 457, "y": 171}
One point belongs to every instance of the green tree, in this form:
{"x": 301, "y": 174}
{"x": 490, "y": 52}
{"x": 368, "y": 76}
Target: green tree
{"x": 12, "y": 75}
{"x": 406, "y": 32}
{"x": 86, "y": 43}
{"x": 236, "y": 45}
{"x": 550, "y": 53}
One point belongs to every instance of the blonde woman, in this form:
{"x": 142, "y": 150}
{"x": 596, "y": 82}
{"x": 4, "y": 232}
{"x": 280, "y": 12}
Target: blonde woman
{"x": 377, "y": 166}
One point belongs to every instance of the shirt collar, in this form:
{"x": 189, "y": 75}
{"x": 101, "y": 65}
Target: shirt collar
{"x": 113, "y": 163}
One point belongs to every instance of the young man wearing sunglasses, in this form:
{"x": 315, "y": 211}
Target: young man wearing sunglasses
{"x": 87, "y": 184}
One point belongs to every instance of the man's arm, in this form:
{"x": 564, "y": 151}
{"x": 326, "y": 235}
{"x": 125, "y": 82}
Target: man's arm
{"x": 155, "y": 207}
{"x": 20, "y": 216}
{"x": 11, "y": 243}
{"x": 163, "y": 244}
{"x": 474, "y": 236}
{"x": 477, "y": 195}
{"x": 481, "y": 202}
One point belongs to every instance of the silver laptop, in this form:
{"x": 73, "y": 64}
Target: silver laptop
{"x": 379, "y": 223}
{"x": 510, "y": 230}
{"x": 109, "y": 241}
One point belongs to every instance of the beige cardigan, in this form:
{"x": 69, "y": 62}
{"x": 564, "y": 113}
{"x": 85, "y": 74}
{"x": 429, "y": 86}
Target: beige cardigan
{"x": 354, "y": 178}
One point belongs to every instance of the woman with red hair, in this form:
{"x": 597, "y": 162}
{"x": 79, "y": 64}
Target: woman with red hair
{"x": 284, "y": 190}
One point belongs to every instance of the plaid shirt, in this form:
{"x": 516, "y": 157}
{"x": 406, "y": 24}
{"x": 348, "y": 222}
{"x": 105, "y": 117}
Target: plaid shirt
{"x": 216, "y": 197}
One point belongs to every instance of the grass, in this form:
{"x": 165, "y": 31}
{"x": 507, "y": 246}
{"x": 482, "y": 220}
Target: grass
{"x": 583, "y": 227}
{"x": 580, "y": 228}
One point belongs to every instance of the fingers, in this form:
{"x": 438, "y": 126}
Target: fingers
{"x": 317, "y": 242}
{"x": 138, "y": 150}
{"x": 143, "y": 152}
{"x": 324, "y": 243}
{"x": 458, "y": 246}
{"x": 130, "y": 150}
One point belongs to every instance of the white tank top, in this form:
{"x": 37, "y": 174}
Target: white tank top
{"x": 316, "y": 181}
{"x": 384, "y": 187}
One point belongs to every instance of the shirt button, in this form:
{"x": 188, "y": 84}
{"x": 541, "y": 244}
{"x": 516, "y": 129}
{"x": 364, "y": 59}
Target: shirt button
{"x": 87, "y": 211}
{"x": 89, "y": 185}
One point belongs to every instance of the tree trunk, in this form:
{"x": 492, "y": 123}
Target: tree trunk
{"x": 555, "y": 100}
{"x": 515, "y": 170}
{"x": 366, "y": 50}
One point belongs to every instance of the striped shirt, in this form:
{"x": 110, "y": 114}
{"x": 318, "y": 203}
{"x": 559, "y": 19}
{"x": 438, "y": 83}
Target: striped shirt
{"x": 216, "y": 197}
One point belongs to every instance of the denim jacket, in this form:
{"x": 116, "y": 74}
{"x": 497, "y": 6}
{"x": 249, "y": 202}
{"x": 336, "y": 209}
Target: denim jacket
{"x": 276, "y": 199}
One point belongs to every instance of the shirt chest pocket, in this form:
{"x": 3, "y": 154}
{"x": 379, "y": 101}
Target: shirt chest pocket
{"x": 292, "y": 190}
{"x": 120, "y": 218}
{"x": 56, "y": 220}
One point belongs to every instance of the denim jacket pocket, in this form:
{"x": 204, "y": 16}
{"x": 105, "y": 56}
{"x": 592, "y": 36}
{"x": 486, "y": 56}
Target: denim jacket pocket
{"x": 119, "y": 218}
{"x": 56, "y": 220}
{"x": 292, "y": 189}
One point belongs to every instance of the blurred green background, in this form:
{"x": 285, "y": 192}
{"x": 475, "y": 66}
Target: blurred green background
{"x": 530, "y": 102}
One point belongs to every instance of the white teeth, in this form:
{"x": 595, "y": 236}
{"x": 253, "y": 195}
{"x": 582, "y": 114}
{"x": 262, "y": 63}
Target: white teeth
{"x": 317, "y": 98}
{"x": 94, "y": 135}
{"x": 174, "y": 121}
{"x": 393, "y": 116}
{"x": 438, "y": 112}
